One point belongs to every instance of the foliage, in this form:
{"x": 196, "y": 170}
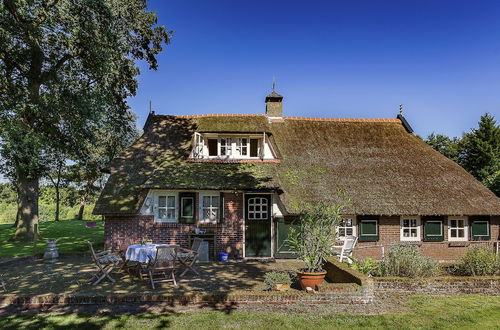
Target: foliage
{"x": 314, "y": 236}
{"x": 367, "y": 266}
{"x": 66, "y": 71}
{"x": 477, "y": 151}
{"x": 72, "y": 235}
{"x": 418, "y": 312}
{"x": 404, "y": 260}
{"x": 444, "y": 144}
{"x": 275, "y": 277}
{"x": 478, "y": 261}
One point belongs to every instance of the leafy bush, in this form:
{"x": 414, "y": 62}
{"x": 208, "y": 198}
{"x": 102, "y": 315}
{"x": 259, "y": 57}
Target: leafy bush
{"x": 367, "y": 266}
{"x": 405, "y": 260}
{"x": 478, "y": 261}
{"x": 275, "y": 277}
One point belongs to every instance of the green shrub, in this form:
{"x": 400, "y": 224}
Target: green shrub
{"x": 405, "y": 260}
{"x": 367, "y": 266}
{"x": 477, "y": 261}
{"x": 275, "y": 277}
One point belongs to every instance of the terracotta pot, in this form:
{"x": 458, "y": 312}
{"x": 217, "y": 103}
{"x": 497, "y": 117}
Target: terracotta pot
{"x": 311, "y": 280}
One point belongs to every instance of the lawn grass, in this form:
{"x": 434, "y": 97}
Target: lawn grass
{"x": 72, "y": 236}
{"x": 459, "y": 312}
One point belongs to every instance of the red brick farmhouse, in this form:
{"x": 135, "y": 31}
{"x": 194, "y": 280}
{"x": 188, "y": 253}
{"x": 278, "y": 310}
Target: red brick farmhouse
{"x": 241, "y": 177}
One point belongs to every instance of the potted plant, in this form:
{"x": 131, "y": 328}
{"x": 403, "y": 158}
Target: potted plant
{"x": 313, "y": 238}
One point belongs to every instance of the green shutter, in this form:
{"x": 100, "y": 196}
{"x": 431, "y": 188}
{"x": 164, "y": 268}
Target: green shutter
{"x": 433, "y": 229}
{"x": 187, "y": 207}
{"x": 368, "y": 229}
{"x": 480, "y": 230}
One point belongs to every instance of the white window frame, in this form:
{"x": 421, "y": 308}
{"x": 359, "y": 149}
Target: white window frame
{"x": 234, "y": 146}
{"x": 157, "y": 207}
{"x": 260, "y": 211}
{"x": 353, "y": 226}
{"x": 465, "y": 228}
{"x": 402, "y": 228}
{"x": 201, "y": 212}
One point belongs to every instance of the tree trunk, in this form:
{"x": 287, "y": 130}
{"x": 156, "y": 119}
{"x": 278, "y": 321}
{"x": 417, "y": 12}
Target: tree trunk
{"x": 83, "y": 199}
{"x": 27, "y": 227}
{"x": 56, "y": 218}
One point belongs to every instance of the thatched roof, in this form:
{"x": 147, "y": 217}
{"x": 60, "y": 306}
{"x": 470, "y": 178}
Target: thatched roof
{"x": 381, "y": 167}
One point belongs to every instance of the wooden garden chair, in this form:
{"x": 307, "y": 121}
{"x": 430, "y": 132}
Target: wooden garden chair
{"x": 162, "y": 265}
{"x": 189, "y": 257}
{"x": 105, "y": 262}
{"x": 346, "y": 249}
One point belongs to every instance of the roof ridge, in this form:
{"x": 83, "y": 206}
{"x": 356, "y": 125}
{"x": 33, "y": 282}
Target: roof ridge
{"x": 364, "y": 120}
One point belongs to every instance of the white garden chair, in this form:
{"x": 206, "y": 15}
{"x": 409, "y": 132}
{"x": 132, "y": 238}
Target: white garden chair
{"x": 346, "y": 249}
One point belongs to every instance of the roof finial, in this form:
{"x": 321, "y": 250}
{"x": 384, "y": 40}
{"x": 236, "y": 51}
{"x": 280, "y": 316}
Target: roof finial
{"x": 274, "y": 83}
{"x": 401, "y": 109}
{"x": 151, "y": 112}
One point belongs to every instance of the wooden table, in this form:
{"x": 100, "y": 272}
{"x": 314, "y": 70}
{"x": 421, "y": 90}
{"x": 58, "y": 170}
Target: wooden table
{"x": 205, "y": 237}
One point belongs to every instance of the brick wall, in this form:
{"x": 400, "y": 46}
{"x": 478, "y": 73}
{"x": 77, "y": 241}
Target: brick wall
{"x": 122, "y": 231}
{"x": 389, "y": 233}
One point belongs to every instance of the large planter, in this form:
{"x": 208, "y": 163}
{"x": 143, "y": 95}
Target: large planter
{"x": 310, "y": 280}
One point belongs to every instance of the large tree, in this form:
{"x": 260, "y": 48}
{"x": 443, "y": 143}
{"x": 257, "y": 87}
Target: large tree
{"x": 479, "y": 152}
{"x": 65, "y": 67}
{"x": 444, "y": 144}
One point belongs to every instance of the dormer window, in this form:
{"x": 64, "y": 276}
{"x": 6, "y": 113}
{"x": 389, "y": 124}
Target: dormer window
{"x": 234, "y": 146}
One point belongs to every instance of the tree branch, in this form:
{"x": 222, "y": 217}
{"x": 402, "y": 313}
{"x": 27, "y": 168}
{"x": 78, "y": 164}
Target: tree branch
{"x": 47, "y": 75}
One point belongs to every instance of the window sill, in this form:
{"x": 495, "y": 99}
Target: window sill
{"x": 230, "y": 161}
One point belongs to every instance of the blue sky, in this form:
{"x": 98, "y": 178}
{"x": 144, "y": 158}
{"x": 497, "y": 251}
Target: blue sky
{"x": 339, "y": 59}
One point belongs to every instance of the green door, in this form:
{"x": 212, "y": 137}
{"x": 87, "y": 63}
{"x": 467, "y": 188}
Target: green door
{"x": 283, "y": 226}
{"x": 258, "y": 226}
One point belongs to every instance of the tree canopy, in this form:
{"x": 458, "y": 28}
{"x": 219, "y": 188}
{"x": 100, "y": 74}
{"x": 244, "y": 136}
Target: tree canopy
{"x": 66, "y": 67}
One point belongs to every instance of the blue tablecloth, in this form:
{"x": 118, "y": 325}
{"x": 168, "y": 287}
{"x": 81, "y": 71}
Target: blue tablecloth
{"x": 140, "y": 253}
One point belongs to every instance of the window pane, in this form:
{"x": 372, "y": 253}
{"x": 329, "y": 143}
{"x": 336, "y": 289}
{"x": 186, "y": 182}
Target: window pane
{"x": 187, "y": 207}
{"x": 212, "y": 147}
{"x": 461, "y": 233}
{"x": 171, "y": 201}
{"x": 413, "y": 222}
{"x": 254, "y": 143}
{"x": 206, "y": 201}
{"x": 214, "y": 214}
{"x": 170, "y": 213}
{"x": 215, "y": 201}
{"x": 162, "y": 201}
{"x": 406, "y": 223}
{"x": 453, "y": 233}
{"x": 162, "y": 213}
{"x": 413, "y": 232}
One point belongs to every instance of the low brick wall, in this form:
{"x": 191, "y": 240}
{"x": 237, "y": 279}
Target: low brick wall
{"x": 487, "y": 285}
{"x": 338, "y": 272}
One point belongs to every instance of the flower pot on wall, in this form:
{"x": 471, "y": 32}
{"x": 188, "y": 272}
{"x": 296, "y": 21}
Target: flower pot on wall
{"x": 311, "y": 280}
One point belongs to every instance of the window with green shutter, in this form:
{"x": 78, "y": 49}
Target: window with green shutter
{"x": 433, "y": 229}
{"x": 186, "y": 207}
{"x": 480, "y": 228}
{"x": 368, "y": 229}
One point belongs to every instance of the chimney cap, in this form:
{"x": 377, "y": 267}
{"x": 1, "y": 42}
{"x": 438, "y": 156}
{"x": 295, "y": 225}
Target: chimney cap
{"x": 273, "y": 96}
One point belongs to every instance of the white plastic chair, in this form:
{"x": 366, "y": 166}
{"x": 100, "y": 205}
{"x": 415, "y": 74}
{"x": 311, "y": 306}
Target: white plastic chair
{"x": 346, "y": 249}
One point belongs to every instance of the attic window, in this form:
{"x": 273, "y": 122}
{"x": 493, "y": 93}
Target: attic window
{"x": 232, "y": 146}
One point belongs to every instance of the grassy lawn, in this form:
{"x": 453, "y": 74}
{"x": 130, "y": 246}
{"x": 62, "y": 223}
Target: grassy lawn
{"x": 462, "y": 312}
{"x": 72, "y": 236}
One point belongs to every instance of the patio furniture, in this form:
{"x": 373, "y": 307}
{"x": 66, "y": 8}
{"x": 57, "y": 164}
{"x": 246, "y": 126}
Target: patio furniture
{"x": 188, "y": 257}
{"x": 209, "y": 237}
{"x": 136, "y": 255}
{"x": 105, "y": 262}
{"x": 163, "y": 264}
{"x": 346, "y": 249}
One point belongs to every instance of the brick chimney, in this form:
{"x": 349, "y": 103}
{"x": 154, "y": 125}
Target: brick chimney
{"x": 274, "y": 105}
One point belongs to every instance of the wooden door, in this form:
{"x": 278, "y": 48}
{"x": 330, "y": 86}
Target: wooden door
{"x": 258, "y": 226}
